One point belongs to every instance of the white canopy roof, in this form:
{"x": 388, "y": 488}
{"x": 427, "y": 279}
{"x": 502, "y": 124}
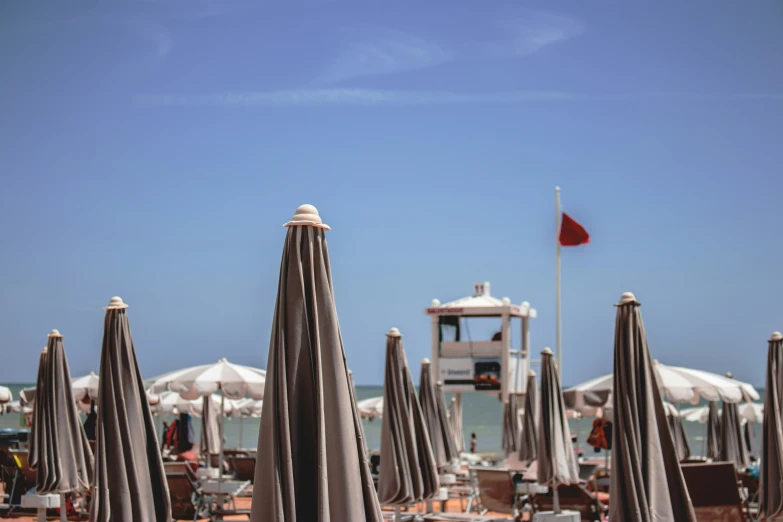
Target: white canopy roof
{"x": 85, "y": 388}
{"x": 235, "y": 381}
{"x": 371, "y": 408}
{"x": 751, "y": 412}
{"x": 5, "y": 395}
{"x": 481, "y": 303}
{"x": 171, "y": 403}
{"x": 679, "y": 385}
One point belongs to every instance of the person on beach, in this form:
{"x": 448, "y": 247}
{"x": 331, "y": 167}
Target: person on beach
{"x": 473, "y": 443}
{"x": 90, "y": 422}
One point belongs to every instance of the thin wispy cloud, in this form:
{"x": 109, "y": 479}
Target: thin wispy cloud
{"x": 521, "y": 33}
{"x": 531, "y": 31}
{"x": 380, "y": 98}
{"x": 390, "y": 53}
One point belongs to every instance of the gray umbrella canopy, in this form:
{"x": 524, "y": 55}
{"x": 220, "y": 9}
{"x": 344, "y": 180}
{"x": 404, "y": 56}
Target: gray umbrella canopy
{"x": 713, "y": 431}
{"x": 528, "y": 444}
{"x": 448, "y": 432}
{"x": 311, "y": 460}
{"x": 679, "y": 437}
{"x": 60, "y": 454}
{"x": 443, "y": 446}
{"x": 771, "y": 479}
{"x": 209, "y": 444}
{"x": 556, "y": 458}
{"x": 28, "y": 398}
{"x": 510, "y": 434}
{"x": 353, "y": 401}
{"x": 455, "y": 421}
{"x": 732, "y": 445}
{"x": 130, "y": 482}
{"x": 646, "y": 476}
{"x": 408, "y": 471}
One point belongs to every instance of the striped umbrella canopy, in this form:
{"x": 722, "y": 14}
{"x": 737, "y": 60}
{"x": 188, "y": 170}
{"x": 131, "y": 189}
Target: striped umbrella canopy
{"x": 442, "y": 441}
{"x": 311, "y": 464}
{"x": 771, "y": 478}
{"x": 529, "y": 440}
{"x": 130, "y": 482}
{"x": 408, "y": 470}
{"x": 60, "y": 454}
{"x": 646, "y": 478}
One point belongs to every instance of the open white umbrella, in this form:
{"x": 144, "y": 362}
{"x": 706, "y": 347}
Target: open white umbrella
{"x": 679, "y": 385}
{"x": 16, "y": 407}
{"x": 85, "y": 388}
{"x": 5, "y": 395}
{"x": 232, "y": 380}
{"x": 371, "y": 408}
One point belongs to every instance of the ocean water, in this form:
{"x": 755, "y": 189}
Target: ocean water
{"x": 481, "y": 414}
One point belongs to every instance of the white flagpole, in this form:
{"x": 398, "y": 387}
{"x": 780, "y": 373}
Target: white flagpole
{"x": 558, "y": 217}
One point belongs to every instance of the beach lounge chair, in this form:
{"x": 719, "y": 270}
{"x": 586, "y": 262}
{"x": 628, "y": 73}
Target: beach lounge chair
{"x": 496, "y": 490}
{"x": 185, "y": 497}
{"x": 574, "y": 497}
{"x": 244, "y": 467}
{"x": 714, "y": 491}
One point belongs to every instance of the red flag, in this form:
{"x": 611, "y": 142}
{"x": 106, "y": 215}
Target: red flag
{"x": 572, "y": 233}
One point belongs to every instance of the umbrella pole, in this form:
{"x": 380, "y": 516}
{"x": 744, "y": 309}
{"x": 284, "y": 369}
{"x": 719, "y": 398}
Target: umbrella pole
{"x": 41, "y": 514}
{"x": 397, "y": 514}
{"x": 240, "y": 432}
{"x": 220, "y": 457}
{"x": 555, "y": 499}
{"x": 63, "y": 515}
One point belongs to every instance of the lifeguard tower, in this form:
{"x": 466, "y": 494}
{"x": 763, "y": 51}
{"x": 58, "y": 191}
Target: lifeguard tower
{"x": 490, "y": 367}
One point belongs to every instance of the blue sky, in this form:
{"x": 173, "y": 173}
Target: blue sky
{"x": 154, "y": 149}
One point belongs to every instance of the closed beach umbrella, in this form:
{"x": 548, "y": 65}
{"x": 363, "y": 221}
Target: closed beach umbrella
{"x": 678, "y": 435}
{"x": 28, "y": 400}
{"x": 443, "y": 447}
{"x": 311, "y": 461}
{"x": 210, "y": 442}
{"x": 556, "y": 459}
{"x": 646, "y": 480}
{"x": 443, "y": 412}
{"x": 771, "y": 479}
{"x": 529, "y": 440}
{"x": 130, "y": 482}
{"x": 732, "y": 446}
{"x": 455, "y": 420}
{"x": 510, "y": 425}
{"x": 408, "y": 471}
{"x": 61, "y": 453}
{"x": 713, "y": 431}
